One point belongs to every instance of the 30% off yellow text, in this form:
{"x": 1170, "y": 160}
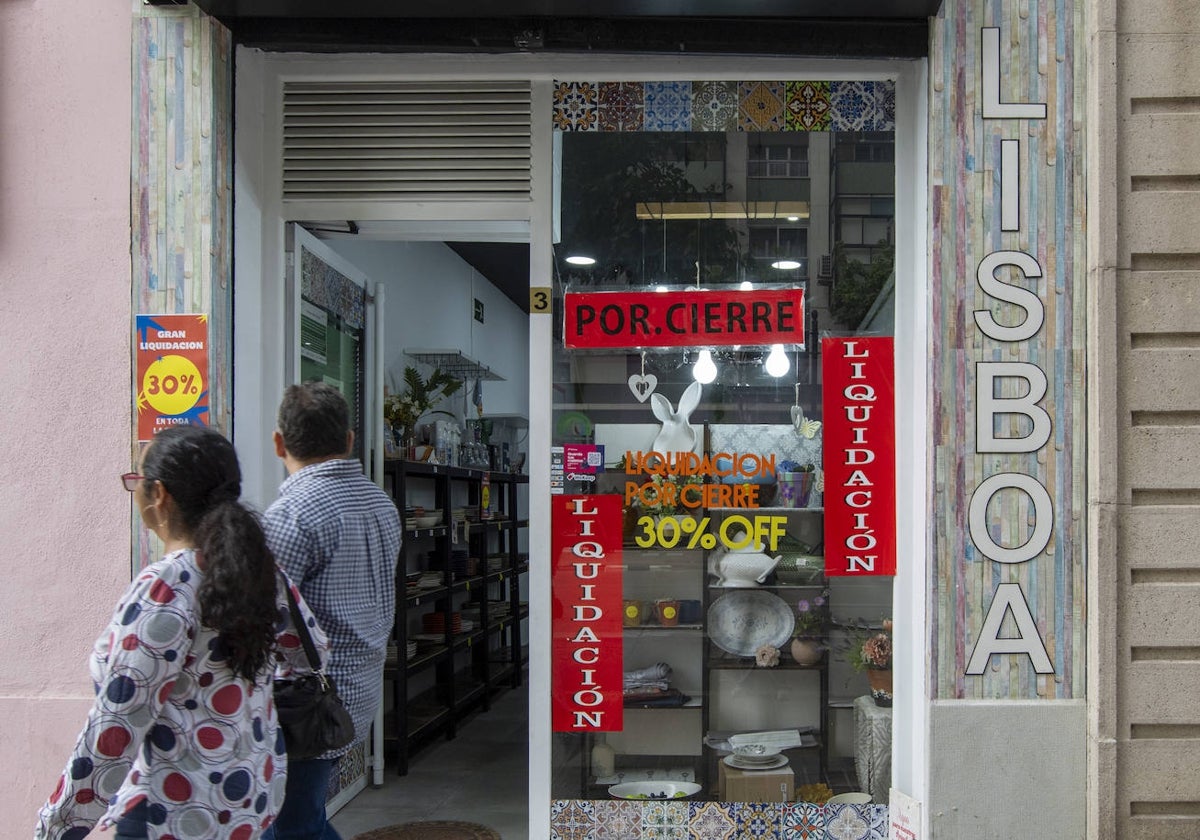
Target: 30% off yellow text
{"x": 733, "y": 532}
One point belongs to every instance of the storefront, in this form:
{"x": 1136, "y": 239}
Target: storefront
{"x": 689, "y": 181}
{"x": 822, "y": 381}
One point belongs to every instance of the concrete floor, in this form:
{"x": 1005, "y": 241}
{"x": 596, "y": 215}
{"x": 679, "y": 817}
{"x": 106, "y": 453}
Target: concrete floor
{"x": 480, "y": 776}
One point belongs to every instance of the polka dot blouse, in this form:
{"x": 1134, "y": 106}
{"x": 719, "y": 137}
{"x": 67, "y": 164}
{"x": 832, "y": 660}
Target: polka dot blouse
{"x": 173, "y": 730}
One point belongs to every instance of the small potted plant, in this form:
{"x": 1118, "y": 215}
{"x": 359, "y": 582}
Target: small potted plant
{"x": 812, "y": 624}
{"x": 404, "y": 411}
{"x": 870, "y": 650}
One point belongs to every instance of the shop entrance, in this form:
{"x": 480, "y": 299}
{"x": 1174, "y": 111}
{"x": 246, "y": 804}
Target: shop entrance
{"x": 558, "y": 764}
{"x": 451, "y": 356}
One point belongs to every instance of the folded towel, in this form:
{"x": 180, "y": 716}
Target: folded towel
{"x": 649, "y": 674}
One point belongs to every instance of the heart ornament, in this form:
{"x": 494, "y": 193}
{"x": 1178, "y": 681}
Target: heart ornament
{"x": 643, "y": 385}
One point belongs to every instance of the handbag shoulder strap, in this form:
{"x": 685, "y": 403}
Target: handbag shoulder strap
{"x": 310, "y": 650}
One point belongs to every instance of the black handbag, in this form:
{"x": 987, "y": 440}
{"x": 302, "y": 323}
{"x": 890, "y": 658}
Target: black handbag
{"x": 310, "y": 713}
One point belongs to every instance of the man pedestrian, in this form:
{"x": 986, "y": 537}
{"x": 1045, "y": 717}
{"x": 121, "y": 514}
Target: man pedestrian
{"x": 337, "y": 536}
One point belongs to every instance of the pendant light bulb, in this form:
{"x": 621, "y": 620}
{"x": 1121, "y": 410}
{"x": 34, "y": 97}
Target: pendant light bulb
{"x": 777, "y": 362}
{"x": 705, "y": 369}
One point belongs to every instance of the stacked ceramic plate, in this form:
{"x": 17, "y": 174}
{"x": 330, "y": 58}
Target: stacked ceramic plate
{"x": 429, "y": 580}
{"x": 755, "y": 757}
{"x": 435, "y": 622}
{"x": 410, "y": 648}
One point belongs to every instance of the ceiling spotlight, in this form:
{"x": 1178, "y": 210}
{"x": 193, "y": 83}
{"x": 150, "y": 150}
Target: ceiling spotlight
{"x": 793, "y": 218}
{"x": 747, "y": 285}
{"x": 777, "y": 362}
{"x": 785, "y": 265}
{"x": 660, "y": 288}
{"x": 579, "y": 259}
{"x": 705, "y": 369}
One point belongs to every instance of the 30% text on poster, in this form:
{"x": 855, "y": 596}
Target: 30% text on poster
{"x": 733, "y": 532}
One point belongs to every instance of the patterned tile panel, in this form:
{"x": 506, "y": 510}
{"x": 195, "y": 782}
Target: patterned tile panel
{"x": 757, "y": 820}
{"x": 668, "y": 106}
{"x": 854, "y": 105}
{"x": 576, "y": 106}
{"x": 617, "y": 820}
{"x": 665, "y": 821}
{"x": 711, "y": 821}
{"x": 327, "y": 287}
{"x": 760, "y": 106}
{"x": 725, "y": 106}
{"x": 802, "y": 821}
{"x": 574, "y": 819}
{"x": 622, "y": 106}
{"x": 807, "y": 106}
{"x": 714, "y": 106}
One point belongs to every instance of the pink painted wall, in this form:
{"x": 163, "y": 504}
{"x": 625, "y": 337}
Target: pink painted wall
{"x": 65, "y": 376}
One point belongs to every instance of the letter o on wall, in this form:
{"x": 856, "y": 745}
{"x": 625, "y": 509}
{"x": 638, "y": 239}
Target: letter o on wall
{"x": 1043, "y": 523}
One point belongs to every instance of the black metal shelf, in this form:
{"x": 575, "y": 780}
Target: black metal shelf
{"x": 469, "y": 668}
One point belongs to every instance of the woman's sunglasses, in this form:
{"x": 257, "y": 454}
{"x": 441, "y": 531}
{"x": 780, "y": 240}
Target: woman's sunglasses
{"x": 130, "y": 480}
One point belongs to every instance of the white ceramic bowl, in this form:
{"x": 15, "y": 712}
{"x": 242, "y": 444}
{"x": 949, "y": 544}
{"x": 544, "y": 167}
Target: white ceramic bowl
{"x": 427, "y": 521}
{"x": 856, "y": 797}
{"x": 756, "y": 752}
{"x": 654, "y": 790}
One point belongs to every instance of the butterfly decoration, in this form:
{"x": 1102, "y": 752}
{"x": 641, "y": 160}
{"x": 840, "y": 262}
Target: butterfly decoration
{"x": 804, "y": 426}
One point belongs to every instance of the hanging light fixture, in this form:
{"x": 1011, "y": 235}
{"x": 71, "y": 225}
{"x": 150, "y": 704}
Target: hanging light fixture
{"x": 785, "y": 265}
{"x": 705, "y": 369}
{"x": 777, "y": 363}
{"x": 580, "y": 259}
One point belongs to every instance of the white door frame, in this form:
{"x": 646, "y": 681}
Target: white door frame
{"x": 260, "y": 214}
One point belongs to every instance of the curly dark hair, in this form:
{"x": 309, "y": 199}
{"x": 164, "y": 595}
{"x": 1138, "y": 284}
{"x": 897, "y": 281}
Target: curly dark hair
{"x": 314, "y": 420}
{"x": 199, "y": 468}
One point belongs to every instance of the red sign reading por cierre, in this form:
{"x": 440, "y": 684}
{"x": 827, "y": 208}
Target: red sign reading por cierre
{"x": 587, "y": 650}
{"x": 858, "y": 396}
{"x": 683, "y": 319}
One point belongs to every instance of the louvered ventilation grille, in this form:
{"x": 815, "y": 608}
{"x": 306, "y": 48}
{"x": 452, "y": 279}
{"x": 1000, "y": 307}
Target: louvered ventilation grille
{"x": 391, "y": 140}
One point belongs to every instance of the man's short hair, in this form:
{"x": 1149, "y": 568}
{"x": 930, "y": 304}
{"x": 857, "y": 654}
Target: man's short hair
{"x": 314, "y": 420}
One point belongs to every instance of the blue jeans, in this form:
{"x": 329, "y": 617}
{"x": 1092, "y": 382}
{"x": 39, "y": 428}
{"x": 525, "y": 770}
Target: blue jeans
{"x": 302, "y": 816}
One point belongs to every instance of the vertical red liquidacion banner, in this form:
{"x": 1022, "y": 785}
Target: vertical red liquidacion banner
{"x": 587, "y": 671}
{"x": 859, "y": 396}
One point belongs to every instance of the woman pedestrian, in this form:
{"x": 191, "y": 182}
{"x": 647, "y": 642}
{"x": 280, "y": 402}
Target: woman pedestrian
{"x": 182, "y": 740}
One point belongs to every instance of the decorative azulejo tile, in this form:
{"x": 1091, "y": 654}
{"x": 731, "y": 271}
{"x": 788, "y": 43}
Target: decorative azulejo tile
{"x": 572, "y": 819}
{"x": 856, "y": 822}
{"x": 621, "y": 106}
{"x": 664, "y": 815}
{"x": 711, "y": 821}
{"x": 807, "y": 106}
{"x": 756, "y": 819}
{"x": 668, "y": 106}
{"x": 576, "y": 106}
{"x": 714, "y": 106}
{"x": 853, "y": 105}
{"x": 802, "y": 821}
{"x": 618, "y": 820}
{"x": 885, "y": 106}
{"x": 760, "y": 106}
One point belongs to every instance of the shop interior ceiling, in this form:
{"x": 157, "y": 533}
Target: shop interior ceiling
{"x": 846, "y": 28}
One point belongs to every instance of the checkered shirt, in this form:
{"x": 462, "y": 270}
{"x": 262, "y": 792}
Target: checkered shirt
{"x": 337, "y": 536}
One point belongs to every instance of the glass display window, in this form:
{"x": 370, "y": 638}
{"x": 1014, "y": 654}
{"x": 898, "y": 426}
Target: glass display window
{"x": 722, "y": 410}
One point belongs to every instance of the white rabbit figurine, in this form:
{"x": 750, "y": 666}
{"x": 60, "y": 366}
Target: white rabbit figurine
{"x": 676, "y": 434}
